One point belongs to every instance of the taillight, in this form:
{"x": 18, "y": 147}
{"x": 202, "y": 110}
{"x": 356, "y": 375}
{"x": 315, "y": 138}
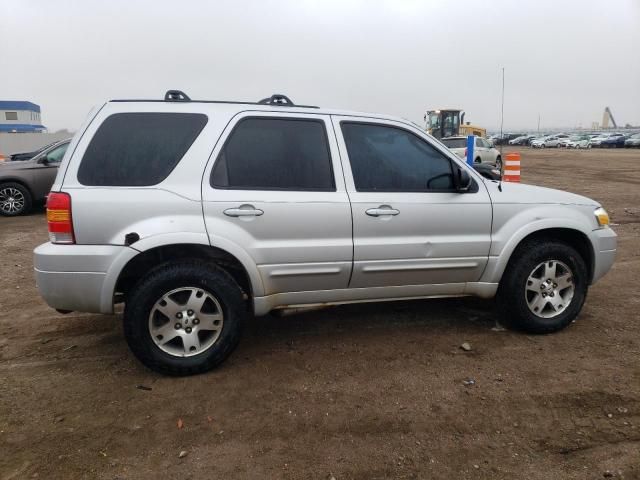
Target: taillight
{"x": 59, "y": 218}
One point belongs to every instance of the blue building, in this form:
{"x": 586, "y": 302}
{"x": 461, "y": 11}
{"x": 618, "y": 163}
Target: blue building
{"x": 20, "y": 117}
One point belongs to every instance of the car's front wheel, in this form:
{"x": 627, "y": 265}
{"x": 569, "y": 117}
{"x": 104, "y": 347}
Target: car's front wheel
{"x": 544, "y": 287}
{"x": 15, "y": 199}
{"x": 184, "y": 318}
{"x": 499, "y": 163}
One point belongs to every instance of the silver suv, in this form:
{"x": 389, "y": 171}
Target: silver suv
{"x": 196, "y": 214}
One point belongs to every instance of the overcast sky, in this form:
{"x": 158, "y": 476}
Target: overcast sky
{"x": 564, "y": 59}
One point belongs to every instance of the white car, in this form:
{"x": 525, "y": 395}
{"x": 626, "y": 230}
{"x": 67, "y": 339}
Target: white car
{"x": 597, "y": 141}
{"x": 578, "y": 141}
{"x": 563, "y": 140}
{"x": 546, "y": 142}
{"x": 483, "y": 151}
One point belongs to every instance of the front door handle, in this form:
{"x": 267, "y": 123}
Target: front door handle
{"x": 382, "y": 210}
{"x": 243, "y": 211}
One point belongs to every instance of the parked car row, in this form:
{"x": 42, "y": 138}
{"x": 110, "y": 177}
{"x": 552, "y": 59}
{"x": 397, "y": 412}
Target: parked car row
{"x": 576, "y": 140}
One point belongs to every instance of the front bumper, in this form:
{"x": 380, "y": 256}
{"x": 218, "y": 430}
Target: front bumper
{"x": 80, "y": 277}
{"x": 605, "y": 242}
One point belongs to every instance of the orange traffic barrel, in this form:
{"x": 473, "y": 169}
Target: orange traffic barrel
{"x": 511, "y": 168}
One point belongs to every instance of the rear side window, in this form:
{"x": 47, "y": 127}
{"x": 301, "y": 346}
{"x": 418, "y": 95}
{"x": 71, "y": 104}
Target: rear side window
{"x": 275, "y": 154}
{"x": 455, "y": 142}
{"x": 138, "y": 149}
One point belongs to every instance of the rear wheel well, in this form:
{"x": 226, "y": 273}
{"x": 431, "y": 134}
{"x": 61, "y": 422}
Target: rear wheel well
{"x": 573, "y": 238}
{"x": 19, "y": 182}
{"x": 141, "y": 264}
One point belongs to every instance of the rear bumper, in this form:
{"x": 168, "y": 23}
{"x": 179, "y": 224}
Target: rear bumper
{"x": 79, "y": 277}
{"x": 605, "y": 243}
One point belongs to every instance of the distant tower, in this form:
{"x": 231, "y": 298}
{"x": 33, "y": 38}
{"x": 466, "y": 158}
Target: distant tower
{"x": 605, "y": 119}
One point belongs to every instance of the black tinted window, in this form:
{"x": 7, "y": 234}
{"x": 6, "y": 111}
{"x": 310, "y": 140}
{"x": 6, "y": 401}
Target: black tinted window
{"x": 455, "y": 142}
{"x": 394, "y": 160}
{"x": 138, "y": 149}
{"x": 275, "y": 154}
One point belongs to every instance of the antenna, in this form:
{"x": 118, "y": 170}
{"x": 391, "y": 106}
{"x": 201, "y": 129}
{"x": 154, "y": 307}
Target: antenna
{"x": 502, "y": 114}
{"x": 501, "y": 135}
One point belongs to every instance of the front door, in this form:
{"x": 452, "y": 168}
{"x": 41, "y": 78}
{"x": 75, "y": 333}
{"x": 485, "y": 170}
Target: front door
{"x": 45, "y": 171}
{"x": 276, "y": 190}
{"x": 410, "y": 226}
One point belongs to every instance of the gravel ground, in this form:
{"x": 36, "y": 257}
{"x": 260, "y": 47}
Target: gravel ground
{"x": 354, "y": 392}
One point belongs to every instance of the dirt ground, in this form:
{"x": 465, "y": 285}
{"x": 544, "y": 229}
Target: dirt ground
{"x": 356, "y": 392}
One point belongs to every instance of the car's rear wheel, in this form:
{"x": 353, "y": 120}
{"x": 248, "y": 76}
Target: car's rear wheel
{"x": 543, "y": 288}
{"x": 184, "y": 318}
{"x": 15, "y": 199}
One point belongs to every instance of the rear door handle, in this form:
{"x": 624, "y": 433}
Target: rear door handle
{"x": 243, "y": 211}
{"x": 382, "y": 210}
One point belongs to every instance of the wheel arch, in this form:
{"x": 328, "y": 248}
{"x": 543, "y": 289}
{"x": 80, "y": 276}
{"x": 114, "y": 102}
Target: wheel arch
{"x": 19, "y": 181}
{"x": 571, "y": 235}
{"x": 248, "y": 280}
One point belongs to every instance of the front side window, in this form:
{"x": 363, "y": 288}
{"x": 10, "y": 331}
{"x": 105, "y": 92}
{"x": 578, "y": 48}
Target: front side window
{"x": 275, "y": 154}
{"x": 391, "y": 159}
{"x": 138, "y": 149}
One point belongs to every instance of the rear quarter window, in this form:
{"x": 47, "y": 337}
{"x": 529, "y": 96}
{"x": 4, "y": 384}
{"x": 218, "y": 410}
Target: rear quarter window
{"x": 455, "y": 142}
{"x": 138, "y": 149}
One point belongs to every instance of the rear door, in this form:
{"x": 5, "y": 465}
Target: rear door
{"x": 410, "y": 227}
{"x": 275, "y": 188}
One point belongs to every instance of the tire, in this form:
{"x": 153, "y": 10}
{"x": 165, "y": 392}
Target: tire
{"x": 499, "y": 163}
{"x": 183, "y": 281}
{"x": 15, "y": 199}
{"x": 478, "y": 160}
{"x": 518, "y": 289}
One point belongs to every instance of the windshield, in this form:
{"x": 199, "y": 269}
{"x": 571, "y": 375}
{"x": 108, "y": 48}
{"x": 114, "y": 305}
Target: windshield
{"x": 434, "y": 120}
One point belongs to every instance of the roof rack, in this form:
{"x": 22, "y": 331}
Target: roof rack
{"x": 277, "y": 99}
{"x": 176, "y": 96}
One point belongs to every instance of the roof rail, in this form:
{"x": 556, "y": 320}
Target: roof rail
{"x": 176, "y": 96}
{"x": 277, "y": 99}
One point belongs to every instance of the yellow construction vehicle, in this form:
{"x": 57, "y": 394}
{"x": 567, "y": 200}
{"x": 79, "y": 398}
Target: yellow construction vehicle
{"x": 449, "y": 122}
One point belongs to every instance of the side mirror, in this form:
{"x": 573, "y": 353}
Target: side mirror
{"x": 44, "y": 160}
{"x": 462, "y": 179}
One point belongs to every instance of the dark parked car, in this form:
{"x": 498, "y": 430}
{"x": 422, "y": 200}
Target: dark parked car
{"x": 487, "y": 171}
{"x": 504, "y": 139}
{"x": 26, "y": 182}
{"x": 30, "y": 155}
{"x": 616, "y": 140}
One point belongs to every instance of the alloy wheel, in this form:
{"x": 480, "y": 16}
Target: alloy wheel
{"x": 11, "y": 200}
{"x": 549, "y": 289}
{"x": 186, "y": 321}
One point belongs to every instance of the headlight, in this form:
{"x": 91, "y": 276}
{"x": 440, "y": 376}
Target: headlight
{"x": 602, "y": 217}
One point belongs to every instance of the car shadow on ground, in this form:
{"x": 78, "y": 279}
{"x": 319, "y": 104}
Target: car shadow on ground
{"x": 86, "y": 337}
